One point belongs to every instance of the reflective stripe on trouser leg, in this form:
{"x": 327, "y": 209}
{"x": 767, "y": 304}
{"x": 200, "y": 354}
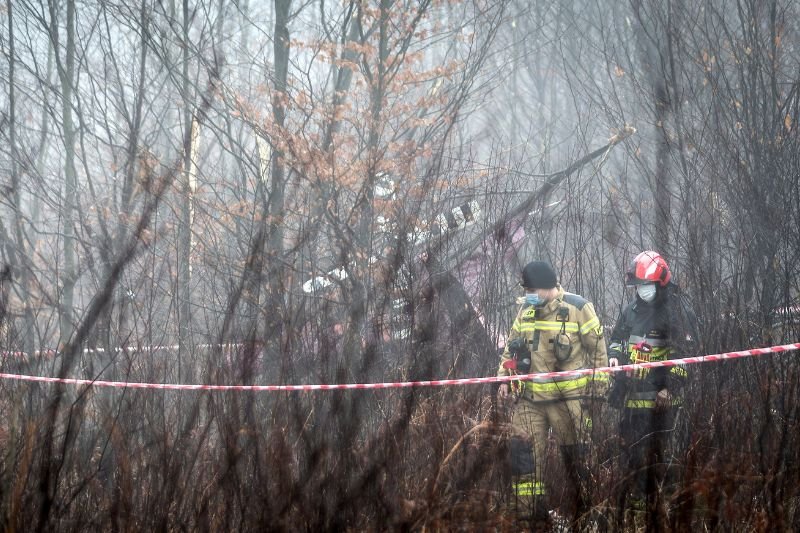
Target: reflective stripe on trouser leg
{"x": 536, "y": 418}
{"x": 529, "y": 498}
{"x": 529, "y": 488}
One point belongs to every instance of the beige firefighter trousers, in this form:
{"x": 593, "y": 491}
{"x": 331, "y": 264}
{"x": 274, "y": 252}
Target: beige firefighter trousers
{"x": 568, "y": 420}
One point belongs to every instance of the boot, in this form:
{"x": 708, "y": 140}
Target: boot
{"x": 530, "y": 502}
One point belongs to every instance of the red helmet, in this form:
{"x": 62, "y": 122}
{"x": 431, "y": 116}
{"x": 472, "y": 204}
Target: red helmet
{"x": 648, "y": 267}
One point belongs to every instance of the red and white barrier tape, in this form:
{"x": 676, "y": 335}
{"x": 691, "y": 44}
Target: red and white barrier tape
{"x": 406, "y": 384}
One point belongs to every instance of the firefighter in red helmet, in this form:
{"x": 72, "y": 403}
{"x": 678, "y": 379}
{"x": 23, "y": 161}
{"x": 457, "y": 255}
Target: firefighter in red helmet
{"x": 656, "y": 326}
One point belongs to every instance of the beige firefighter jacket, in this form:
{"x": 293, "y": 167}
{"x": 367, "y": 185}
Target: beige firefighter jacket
{"x": 573, "y": 319}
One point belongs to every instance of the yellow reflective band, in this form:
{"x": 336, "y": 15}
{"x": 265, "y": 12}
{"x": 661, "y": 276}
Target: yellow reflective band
{"x": 529, "y": 488}
{"x": 546, "y": 325}
{"x": 679, "y": 371}
{"x": 600, "y": 376}
{"x": 640, "y": 404}
{"x": 588, "y": 326}
{"x": 648, "y": 404}
{"x": 553, "y": 325}
{"x": 551, "y": 386}
{"x": 565, "y": 385}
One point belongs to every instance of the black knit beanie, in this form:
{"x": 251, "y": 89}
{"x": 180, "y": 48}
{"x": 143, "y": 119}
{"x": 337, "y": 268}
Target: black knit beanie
{"x": 538, "y": 275}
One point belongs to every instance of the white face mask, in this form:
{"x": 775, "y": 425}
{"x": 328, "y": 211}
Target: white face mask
{"x": 646, "y": 292}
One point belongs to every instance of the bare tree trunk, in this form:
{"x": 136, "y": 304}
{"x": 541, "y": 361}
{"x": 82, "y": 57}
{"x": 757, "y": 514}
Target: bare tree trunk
{"x": 344, "y": 75}
{"x": 13, "y": 251}
{"x": 132, "y": 167}
{"x": 281, "y": 46}
{"x": 662, "y": 194}
{"x": 184, "y": 247}
{"x": 66, "y": 74}
{"x": 651, "y": 39}
{"x": 17, "y": 252}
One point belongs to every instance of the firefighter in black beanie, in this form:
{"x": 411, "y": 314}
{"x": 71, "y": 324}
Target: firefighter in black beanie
{"x": 559, "y": 331}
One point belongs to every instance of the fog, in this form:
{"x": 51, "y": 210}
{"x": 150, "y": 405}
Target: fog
{"x": 311, "y": 192}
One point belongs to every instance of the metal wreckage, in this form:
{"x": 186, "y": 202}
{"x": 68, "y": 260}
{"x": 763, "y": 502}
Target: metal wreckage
{"x": 438, "y": 261}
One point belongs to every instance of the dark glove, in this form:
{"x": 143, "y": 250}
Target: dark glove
{"x": 618, "y": 392}
{"x": 519, "y": 352}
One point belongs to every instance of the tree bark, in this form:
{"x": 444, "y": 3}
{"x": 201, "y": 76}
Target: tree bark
{"x": 66, "y": 74}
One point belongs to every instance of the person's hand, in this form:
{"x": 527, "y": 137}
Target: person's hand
{"x": 663, "y": 400}
{"x": 503, "y": 391}
{"x": 613, "y": 361}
